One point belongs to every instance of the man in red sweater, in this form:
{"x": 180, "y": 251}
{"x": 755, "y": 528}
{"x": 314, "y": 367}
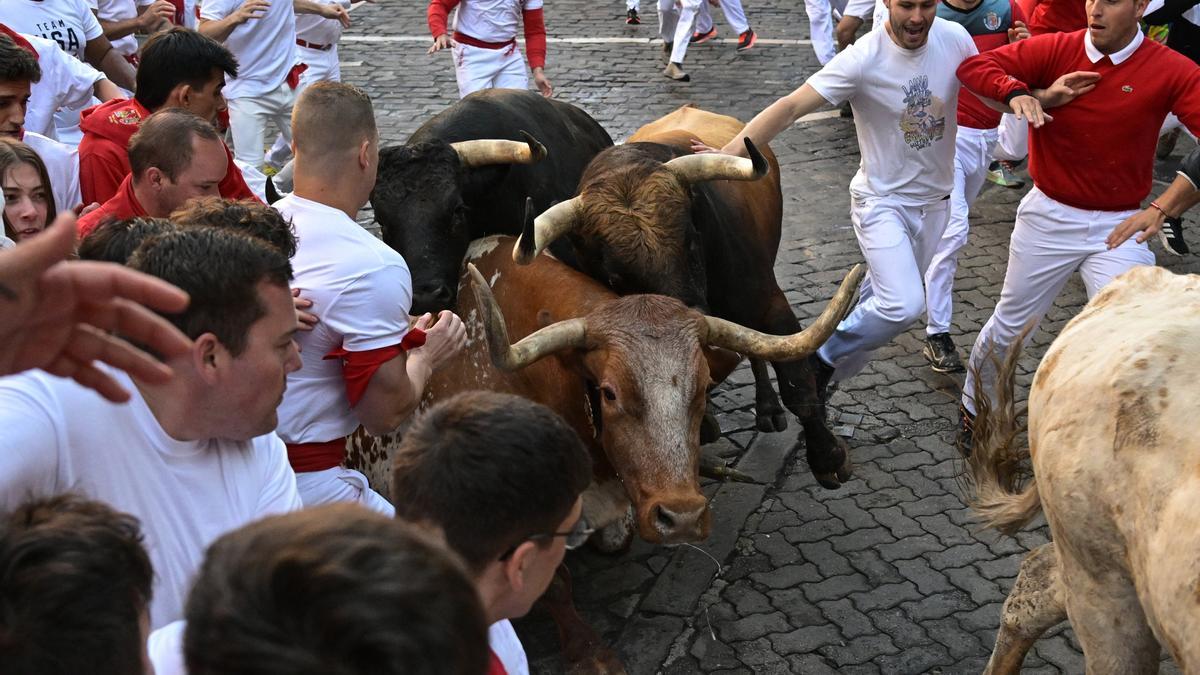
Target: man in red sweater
{"x": 1092, "y": 162}
{"x": 179, "y": 68}
{"x": 174, "y": 156}
{"x": 485, "y": 43}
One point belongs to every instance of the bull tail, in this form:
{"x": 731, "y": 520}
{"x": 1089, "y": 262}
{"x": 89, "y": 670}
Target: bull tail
{"x": 998, "y": 481}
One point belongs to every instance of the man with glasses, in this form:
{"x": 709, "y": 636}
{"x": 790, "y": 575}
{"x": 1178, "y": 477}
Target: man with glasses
{"x": 502, "y": 477}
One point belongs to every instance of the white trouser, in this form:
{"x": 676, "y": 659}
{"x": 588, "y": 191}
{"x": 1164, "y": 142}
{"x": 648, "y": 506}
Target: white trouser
{"x": 340, "y": 484}
{"x": 248, "y": 118}
{"x": 1172, "y": 122}
{"x": 1012, "y": 140}
{"x": 323, "y": 66}
{"x": 820, "y": 22}
{"x": 676, "y": 19}
{"x": 972, "y": 155}
{"x": 735, "y": 16}
{"x": 1049, "y": 242}
{"x": 898, "y": 241}
{"x": 481, "y": 68}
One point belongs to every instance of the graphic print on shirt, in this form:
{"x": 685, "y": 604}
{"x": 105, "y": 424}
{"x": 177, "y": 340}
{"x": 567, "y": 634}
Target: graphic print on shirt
{"x": 924, "y": 118}
{"x": 58, "y": 31}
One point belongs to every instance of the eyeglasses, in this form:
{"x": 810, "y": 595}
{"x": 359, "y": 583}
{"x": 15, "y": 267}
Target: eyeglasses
{"x": 575, "y": 538}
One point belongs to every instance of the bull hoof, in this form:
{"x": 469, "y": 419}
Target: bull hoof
{"x": 834, "y": 479}
{"x": 771, "y": 423}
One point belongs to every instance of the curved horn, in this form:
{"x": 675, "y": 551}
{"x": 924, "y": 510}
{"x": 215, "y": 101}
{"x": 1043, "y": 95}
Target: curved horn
{"x": 719, "y": 166}
{"x": 738, "y": 338}
{"x": 541, "y": 232}
{"x": 497, "y": 151}
{"x": 509, "y": 357}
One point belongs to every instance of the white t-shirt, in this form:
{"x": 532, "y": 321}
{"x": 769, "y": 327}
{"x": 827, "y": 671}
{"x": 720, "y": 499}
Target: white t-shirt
{"x": 165, "y": 647}
{"x": 265, "y": 47}
{"x": 70, "y": 23}
{"x": 503, "y": 640}
{"x": 904, "y": 102}
{"x": 66, "y": 82}
{"x": 492, "y": 20}
{"x": 60, "y": 436}
{"x": 318, "y": 30}
{"x": 362, "y": 292}
{"x": 113, "y": 11}
{"x": 62, "y": 165}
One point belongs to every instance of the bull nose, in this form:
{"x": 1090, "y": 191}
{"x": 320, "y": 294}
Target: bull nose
{"x": 432, "y": 298}
{"x": 679, "y": 526}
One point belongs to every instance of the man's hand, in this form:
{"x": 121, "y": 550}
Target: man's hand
{"x": 1067, "y": 88}
{"x": 444, "y": 340}
{"x": 1019, "y": 31}
{"x": 56, "y": 315}
{"x": 305, "y": 321}
{"x": 1147, "y": 221}
{"x": 336, "y": 12}
{"x": 699, "y": 147}
{"x": 440, "y": 42}
{"x": 1027, "y": 107}
{"x": 250, "y": 9}
{"x": 154, "y": 15}
{"x": 542, "y": 82}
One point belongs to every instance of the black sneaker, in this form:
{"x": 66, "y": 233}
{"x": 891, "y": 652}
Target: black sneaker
{"x": 942, "y": 354}
{"x": 746, "y": 40}
{"x": 700, "y": 38}
{"x": 631, "y": 18}
{"x": 823, "y": 373}
{"x": 1171, "y": 236}
{"x": 964, "y": 437}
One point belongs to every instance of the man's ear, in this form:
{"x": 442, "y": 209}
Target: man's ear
{"x": 364, "y": 154}
{"x": 208, "y": 355}
{"x": 518, "y": 564}
{"x": 155, "y": 178}
{"x": 179, "y": 97}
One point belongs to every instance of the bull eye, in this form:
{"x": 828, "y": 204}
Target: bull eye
{"x": 610, "y": 394}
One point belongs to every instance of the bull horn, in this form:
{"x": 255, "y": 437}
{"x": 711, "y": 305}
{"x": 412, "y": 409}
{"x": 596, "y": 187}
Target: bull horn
{"x": 541, "y": 232}
{"x": 732, "y": 336}
{"x": 719, "y": 166}
{"x": 497, "y": 151}
{"x": 509, "y": 357}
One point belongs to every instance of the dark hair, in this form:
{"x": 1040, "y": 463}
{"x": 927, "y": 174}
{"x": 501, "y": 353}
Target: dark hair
{"x": 17, "y": 63}
{"x": 333, "y": 590}
{"x": 221, "y": 271}
{"x": 179, "y": 56}
{"x": 14, "y": 152}
{"x": 74, "y": 582}
{"x": 490, "y": 469}
{"x": 249, "y": 216}
{"x": 165, "y": 139}
{"x": 115, "y": 240}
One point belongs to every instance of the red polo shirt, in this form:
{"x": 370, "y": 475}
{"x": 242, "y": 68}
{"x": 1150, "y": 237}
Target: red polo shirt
{"x": 1098, "y": 153}
{"x": 122, "y": 205}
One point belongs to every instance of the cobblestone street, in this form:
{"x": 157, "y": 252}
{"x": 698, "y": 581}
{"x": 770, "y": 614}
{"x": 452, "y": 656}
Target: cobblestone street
{"x": 887, "y": 574}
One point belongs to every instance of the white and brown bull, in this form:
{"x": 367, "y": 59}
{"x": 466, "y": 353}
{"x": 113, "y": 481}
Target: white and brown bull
{"x": 1116, "y": 469}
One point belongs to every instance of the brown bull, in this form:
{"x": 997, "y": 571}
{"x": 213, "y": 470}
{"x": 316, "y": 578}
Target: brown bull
{"x": 1116, "y": 468}
{"x": 650, "y": 217}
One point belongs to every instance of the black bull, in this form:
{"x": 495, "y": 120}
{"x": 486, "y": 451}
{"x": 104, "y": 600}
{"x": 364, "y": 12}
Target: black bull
{"x": 431, "y": 201}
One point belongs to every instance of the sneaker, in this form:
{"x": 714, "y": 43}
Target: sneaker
{"x": 675, "y": 72}
{"x": 631, "y": 18}
{"x": 746, "y": 40}
{"x": 1166, "y": 144}
{"x": 822, "y": 373}
{"x": 1002, "y": 173}
{"x": 1171, "y": 236}
{"x": 700, "y": 38}
{"x": 964, "y": 437}
{"x": 942, "y": 355}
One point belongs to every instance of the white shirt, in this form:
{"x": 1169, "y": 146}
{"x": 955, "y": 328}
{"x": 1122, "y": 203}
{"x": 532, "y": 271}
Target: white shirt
{"x": 362, "y": 292}
{"x": 66, "y": 82}
{"x": 165, "y": 648}
{"x": 70, "y": 23}
{"x": 492, "y": 20}
{"x": 265, "y": 47}
{"x": 61, "y": 436}
{"x": 62, "y": 165}
{"x": 112, "y": 11}
{"x": 503, "y": 640}
{"x": 904, "y": 103}
{"x": 318, "y": 30}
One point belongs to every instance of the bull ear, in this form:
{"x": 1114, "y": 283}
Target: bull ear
{"x": 722, "y": 333}
{"x": 719, "y": 166}
{"x": 506, "y": 356}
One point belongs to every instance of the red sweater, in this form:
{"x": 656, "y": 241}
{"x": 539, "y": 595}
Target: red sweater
{"x": 1055, "y": 16}
{"x": 1098, "y": 153}
{"x": 122, "y": 205}
{"x": 984, "y": 24}
{"x": 438, "y": 12}
{"x": 103, "y": 156}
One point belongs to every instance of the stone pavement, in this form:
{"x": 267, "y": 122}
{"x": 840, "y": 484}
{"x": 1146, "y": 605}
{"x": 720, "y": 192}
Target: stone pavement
{"x": 884, "y": 575}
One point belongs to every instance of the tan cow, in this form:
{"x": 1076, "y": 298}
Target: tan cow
{"x": 1116, "y": 468}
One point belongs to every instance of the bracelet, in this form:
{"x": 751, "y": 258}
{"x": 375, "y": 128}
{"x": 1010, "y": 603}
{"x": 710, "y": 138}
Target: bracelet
{"x": 1161, "y": 210}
